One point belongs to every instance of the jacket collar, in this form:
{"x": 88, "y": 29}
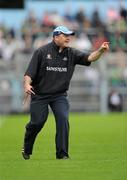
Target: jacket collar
{"x": 55, "y": 46}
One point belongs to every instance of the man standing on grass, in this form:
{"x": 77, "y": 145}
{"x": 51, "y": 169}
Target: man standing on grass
{"x": 47, "y": 80}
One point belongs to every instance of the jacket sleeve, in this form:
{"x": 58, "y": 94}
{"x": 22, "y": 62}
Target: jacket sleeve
{"x": 81, "y": 57}
{"x": 33, "y": 65}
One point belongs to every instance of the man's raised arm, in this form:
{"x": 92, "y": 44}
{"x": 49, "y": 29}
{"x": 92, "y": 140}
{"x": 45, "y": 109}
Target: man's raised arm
{"x": 94, "y": 56}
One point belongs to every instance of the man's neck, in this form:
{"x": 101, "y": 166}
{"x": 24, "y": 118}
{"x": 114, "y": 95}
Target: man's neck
{"x": 61, "y": 49}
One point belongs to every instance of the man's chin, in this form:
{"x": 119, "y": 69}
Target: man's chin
{"x": 66, "y": 45}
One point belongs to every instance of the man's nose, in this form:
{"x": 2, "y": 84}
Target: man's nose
{"x": 68, "y": 37}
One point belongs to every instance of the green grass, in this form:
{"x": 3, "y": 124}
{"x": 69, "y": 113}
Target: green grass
{"x": 98, "y": 149}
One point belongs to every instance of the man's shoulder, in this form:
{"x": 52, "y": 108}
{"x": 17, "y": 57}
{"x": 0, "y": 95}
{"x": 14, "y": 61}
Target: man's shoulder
{"x": 78, "y": 51}
{"x": 44, "y": 47}
{"x": 72, "y": 49}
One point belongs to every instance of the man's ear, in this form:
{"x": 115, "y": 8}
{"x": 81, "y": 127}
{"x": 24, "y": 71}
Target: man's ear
{"x": 56, "y": 38}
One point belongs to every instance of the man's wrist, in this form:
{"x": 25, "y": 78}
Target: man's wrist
{"x": 26, "y": 84}
{"x": 27, "y": 81}
{"x": 101, "y": 50}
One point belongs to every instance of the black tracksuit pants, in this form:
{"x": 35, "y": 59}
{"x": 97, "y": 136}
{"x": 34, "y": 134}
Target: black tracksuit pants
{"x": 39, "y": 113}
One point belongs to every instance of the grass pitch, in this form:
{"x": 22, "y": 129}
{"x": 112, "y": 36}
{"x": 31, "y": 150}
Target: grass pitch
{"x": 98, "y": 149}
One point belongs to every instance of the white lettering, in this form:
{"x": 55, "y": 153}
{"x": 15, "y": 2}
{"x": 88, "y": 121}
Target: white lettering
{"x": 58, "y": 69}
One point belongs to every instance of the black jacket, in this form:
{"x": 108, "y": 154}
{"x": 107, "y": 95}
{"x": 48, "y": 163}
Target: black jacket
{"x": 51, "y": 70}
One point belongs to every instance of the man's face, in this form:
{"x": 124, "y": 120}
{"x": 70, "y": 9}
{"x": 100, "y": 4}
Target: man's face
{"x": 62, "y": 40}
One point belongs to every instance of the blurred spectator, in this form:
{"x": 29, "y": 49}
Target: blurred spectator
{"x": 96, "y": 20}
{"x": 2, "y": 42}
{"x": 9, "y": 48}
{"x": 98, "y": 40}
{"x": 31, "y": 26}
{"x": 80, "y": 16}
{"x": 123, "y": 13}
{"x": 82, "y": 20}
{"x": 116, "y": 20}
{"x": 112, "y": 15}
{"x": 41, "y": 41}
{"x": 57, "y": 18}
{"x": 115, "y": 103}
{"x": 125, "y": 74}
{"x": 82, "y": 42}
{"x": 92, "y": 76}
{"x": 47, "y": 20}
{"x": 27, "y": 45}
{"x": 68, "y": 15}
{"x": 69, "y": 19}
{"x": 117, "y": 41}
{"x": 120, "y": 25}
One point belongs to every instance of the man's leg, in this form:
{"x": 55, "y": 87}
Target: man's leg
{"x": 60, "y": 108}
{"x": 39, "y": 113}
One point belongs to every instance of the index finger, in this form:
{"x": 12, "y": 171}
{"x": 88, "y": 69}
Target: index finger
{"x": 106, "y": 43}
{"x": 32, "y": 92}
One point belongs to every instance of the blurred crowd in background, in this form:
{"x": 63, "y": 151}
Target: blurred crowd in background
{"x": 90, "y": 32}
{"x": 17, "y": 46}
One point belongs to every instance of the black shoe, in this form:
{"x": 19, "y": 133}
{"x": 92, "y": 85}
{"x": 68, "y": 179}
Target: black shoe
{"x": 25, "y": 155}
{"x": 63, "y": 157}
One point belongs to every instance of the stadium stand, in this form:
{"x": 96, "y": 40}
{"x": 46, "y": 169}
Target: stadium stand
{"x": 90, "y": 86}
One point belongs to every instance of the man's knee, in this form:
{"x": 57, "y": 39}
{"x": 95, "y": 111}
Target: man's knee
{"x": 34, "y": 127}
{"x": 62, "y": 115}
